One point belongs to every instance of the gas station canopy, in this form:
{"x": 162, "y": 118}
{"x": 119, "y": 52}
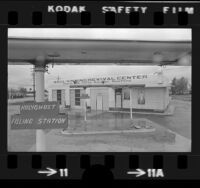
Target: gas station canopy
{"x": 84, "y": 51}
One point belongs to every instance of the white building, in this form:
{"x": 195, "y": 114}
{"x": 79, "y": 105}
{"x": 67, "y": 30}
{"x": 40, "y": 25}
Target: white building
{"x": 141, "y": 92}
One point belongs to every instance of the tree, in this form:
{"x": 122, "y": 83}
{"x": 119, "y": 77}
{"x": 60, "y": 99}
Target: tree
{"x": 23, "y": 91}
{"x": 179, "y": 86}
{"x": 173, "y": 86}
{"x": 182, "y": 85}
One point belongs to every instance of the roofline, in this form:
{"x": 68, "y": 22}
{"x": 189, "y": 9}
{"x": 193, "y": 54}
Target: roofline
{"x": 110, "y": 86}
{"x": 97, "y": 40}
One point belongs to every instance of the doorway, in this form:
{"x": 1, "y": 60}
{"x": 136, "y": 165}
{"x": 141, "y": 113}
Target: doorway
{"x": 118, "y": 98}
{"x": 99, "y": 102}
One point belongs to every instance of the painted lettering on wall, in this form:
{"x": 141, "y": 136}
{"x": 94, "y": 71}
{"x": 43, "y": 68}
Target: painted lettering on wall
{"x": 105, "y": 80}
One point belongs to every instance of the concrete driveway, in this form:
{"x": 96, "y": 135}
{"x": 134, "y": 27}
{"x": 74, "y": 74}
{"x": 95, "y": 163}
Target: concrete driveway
{"x": 173, "y": 133}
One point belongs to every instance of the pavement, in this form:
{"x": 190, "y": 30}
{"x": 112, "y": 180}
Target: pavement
{"x": 105, "y": 133}
{"x": 159, "y": 140}
{"x": 168, "y": 133}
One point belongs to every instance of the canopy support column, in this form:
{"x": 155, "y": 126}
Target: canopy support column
{"x": 39, "y": 87}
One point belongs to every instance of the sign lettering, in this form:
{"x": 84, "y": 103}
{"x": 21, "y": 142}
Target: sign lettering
{"x": 105, "y": 80}
{"x": 40, "y": 107}
{"x": 39, "y": 115}
{"x": 24, "y": 122}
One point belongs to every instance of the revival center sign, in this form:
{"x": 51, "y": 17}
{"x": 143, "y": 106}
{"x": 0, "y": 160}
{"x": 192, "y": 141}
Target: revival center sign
{"x": 106, "y": 80}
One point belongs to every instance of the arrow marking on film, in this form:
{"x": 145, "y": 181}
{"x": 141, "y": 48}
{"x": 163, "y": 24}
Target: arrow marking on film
{"x": 138, "y": 172}
{"x": 49, "y": 171}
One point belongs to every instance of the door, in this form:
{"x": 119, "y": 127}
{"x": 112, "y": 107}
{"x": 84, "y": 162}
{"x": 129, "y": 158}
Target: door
{"x": 54, "y": 95}
{"x": 118, "y": 98}
{"x": 118, "y": 101}
{"x": 72, "y": 98}
{"x": 63, "y": 97}
{"x": 99, "y": 102}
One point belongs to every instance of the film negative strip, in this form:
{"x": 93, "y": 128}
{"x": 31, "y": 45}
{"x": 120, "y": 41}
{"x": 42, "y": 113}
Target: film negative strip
{"x": 103, "y": 89}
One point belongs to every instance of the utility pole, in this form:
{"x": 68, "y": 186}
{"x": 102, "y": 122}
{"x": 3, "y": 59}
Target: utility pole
{"x": 33, "y": 75}
{"x": 34, "y": 85}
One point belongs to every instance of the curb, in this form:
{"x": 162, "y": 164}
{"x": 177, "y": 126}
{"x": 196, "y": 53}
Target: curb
{"x": 148, "y": 113}
{"x": 108, "y": 132}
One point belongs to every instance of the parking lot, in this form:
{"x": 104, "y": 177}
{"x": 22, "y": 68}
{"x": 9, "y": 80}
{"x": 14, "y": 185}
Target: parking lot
{"x": 172, "y": 133}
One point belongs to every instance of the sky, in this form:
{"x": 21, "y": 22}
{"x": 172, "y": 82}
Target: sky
{"x": 20, "y": 76}
{"x": 102, "y": 33}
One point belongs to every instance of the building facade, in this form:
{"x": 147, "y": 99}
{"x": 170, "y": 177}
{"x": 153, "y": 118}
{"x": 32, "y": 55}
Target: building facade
{"x": 120, "y": 93}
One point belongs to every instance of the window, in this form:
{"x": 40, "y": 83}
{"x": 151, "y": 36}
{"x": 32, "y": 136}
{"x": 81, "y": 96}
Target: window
{"x": 59, "y": 96}
{"x": 126, "y": 94}
{"x": 77, "y": 97}
{"x": 118, "y": 91}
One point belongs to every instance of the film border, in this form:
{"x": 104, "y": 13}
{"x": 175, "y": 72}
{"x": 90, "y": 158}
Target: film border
{"x": 12, "y": 162}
